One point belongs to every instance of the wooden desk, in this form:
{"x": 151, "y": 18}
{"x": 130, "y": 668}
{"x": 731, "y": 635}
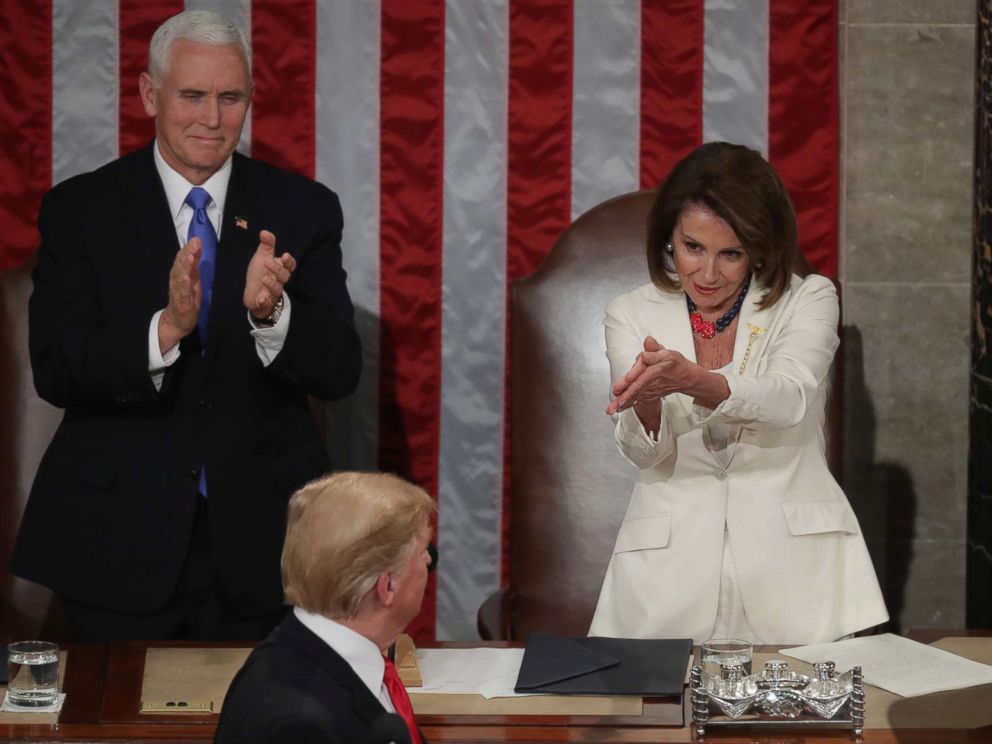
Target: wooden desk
{"x": 103, "y": 686}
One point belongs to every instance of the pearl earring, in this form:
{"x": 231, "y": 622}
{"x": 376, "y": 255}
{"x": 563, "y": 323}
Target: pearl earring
{"x": 668, "y": 247}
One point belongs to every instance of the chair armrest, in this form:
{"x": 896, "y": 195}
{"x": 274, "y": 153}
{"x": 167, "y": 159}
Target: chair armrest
{"x": 495, "y": 615}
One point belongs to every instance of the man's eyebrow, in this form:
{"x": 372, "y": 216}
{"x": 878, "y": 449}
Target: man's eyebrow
{"x": 201, "y": 92}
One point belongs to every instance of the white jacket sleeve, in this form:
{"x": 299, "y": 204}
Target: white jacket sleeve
{"x": 636, "y": 445}
{"x": 794, "y": 366}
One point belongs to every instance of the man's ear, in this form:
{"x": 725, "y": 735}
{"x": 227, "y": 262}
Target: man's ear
{"x": 146, "y": 89}
{"x": 384, "y": 589}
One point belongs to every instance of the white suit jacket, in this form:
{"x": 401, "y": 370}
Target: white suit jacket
{"x": 803, "y": 568}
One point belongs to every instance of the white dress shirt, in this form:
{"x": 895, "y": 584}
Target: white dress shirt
{"x": 362, "y": 655}
{"x": 268, "y": 340}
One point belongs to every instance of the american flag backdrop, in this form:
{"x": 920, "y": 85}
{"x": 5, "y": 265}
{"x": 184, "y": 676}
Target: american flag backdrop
{"x": 462, "y": 137}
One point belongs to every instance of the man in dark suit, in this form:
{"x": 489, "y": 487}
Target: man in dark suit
{"x": 354, "y": 565}
{"x": 182, "y": 345}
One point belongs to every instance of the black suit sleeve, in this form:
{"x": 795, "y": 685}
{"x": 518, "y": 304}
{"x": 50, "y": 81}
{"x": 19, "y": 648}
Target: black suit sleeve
{"x": 322, "y": 353}
{"x": 82, "y": 351}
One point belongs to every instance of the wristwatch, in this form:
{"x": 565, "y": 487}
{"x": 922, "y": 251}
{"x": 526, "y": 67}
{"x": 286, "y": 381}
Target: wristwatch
{"x": 274, "y": 316}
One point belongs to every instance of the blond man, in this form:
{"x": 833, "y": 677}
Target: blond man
{"x": 354, "y": 568}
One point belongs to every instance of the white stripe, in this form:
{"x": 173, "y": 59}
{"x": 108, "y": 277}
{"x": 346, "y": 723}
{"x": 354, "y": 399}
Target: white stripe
{"x": 347, "y": 116}
{"x": 606, "y": 104}
{"x": 238, "y": 11}
{"x": 735, "y": 72}
{"x": 473, "y": 319}
{"x": 85, "y": 71}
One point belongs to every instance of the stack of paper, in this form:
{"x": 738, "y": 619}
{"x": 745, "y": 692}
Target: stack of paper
{"x": 898, "y": 664}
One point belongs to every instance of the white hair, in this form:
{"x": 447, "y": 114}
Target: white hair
{"x": 200, "y": 26}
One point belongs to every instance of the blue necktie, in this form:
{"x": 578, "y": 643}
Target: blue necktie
{"x": 201, "y": 228}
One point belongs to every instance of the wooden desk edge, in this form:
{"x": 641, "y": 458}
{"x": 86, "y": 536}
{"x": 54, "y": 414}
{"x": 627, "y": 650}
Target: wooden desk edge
{"x": 95, "y": 686}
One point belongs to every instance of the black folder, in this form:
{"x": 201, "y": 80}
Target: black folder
{"x": 652, "y": 667}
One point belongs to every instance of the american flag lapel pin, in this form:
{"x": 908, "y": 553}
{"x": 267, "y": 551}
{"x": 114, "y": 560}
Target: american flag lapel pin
{"x": 241, "y": 222}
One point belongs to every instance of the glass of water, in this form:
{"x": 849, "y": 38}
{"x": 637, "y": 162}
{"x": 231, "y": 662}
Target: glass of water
{"x": 33, "y": 674}
{"x": 717, "y": 652}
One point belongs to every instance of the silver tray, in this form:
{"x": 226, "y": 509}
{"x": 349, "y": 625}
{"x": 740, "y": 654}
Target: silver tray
{"x": 778, "y": 696}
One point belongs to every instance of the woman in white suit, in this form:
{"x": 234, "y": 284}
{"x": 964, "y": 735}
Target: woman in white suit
{"x": 735, "y": 527}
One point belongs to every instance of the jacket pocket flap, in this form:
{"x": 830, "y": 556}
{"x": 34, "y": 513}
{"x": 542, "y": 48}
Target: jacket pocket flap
{"x": 815, "y": 517}
{"x": 644, "y": 533}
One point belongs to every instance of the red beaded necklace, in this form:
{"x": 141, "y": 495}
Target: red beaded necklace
{"x": 709, "y": 328}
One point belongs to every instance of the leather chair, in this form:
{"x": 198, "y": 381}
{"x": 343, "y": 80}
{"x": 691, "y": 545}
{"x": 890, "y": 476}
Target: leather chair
{"x": 569, "y": 487}
{"x": 26, "y": 426}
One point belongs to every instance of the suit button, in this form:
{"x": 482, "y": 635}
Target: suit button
{"x": 192, "y": 475}
{"x": 206, "y": 405}
{"x": 721, "y": 475}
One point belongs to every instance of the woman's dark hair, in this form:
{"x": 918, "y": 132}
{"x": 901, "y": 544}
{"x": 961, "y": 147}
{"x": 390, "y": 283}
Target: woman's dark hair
{"x": 739, "y": 186}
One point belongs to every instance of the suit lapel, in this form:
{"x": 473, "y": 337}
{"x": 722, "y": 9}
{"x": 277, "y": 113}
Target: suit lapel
{"x": 752, "y": 332}
{"x": 148, "y": 223}
{"x": 669, "y": 325}
{"x": 238, "y": 241}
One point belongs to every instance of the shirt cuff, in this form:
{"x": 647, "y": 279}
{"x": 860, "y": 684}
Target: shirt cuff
{"x": 631, "y": 430}
{"x": 269, "y": 340}
{"x": 157, "y": 361}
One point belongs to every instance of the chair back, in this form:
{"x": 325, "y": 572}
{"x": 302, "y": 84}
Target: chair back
{"x": 569, "y": 486}
{"x": 27, "y": 423}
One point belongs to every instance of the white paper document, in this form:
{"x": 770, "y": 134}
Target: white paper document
{"x": 898, "y": 664}
{"x": 490, "y": 672}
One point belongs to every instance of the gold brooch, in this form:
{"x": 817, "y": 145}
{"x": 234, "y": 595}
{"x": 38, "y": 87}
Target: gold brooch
{"x": 755, "y": 332}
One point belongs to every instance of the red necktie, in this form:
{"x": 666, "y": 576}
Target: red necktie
{"x": 401, "y": 701}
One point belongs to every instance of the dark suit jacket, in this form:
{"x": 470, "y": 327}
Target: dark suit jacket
{"x": 110, "y": 514}
{"x": 295, "y": 688}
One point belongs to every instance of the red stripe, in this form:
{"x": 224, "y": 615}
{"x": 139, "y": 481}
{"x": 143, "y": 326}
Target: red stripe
{"x": 411, "y": 165}
{"x": 671, "y": 85}
{"x": 25, "y": 124}
{"x": 138, "y": 21}
{"x": 284, "y": 47}
{"x": 539, "y": 168}
{"x": 539, "y": 134}
{"x": 803, "y": 120}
